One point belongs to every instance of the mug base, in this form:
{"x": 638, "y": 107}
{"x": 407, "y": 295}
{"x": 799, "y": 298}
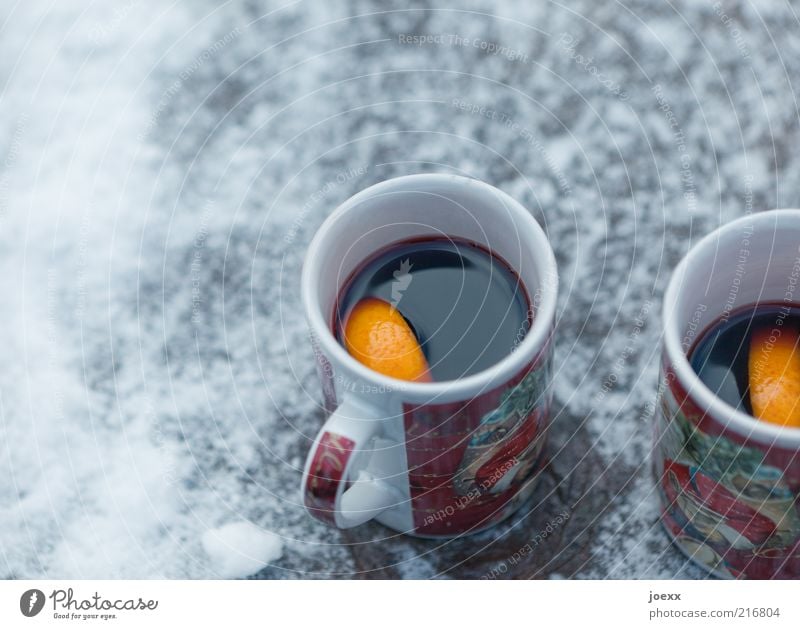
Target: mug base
{"x": 712, "y": 572}
{"x": 511, "y": 507}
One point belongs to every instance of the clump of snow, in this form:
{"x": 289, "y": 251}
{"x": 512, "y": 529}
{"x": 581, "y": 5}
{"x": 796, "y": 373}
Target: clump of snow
{"x": 239, "y": 549}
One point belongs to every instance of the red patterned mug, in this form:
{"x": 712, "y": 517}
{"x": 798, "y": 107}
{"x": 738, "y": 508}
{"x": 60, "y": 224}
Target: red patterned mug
{"x": 428, "y": 459}
{"x": 729, "y": 484}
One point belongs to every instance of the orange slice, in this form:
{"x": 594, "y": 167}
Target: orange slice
{"x": 377, "y": 335}
{"x": 774, "y": 375}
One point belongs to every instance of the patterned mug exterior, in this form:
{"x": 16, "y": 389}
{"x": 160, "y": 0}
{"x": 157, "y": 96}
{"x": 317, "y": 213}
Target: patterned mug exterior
{"x": 428, "y": 459}
{"x": 729, "y": 484}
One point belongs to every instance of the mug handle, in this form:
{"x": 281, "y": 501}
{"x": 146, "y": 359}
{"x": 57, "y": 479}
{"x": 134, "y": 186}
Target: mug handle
{"x": 337, "y": 488}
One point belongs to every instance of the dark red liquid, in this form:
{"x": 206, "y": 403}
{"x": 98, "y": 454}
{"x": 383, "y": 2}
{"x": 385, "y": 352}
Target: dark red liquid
{"x": 721, "y": 355}
{"x": 467, "y": 308}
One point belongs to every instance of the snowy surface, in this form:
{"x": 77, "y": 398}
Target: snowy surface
{"x": 163, "y": 167}
{"x": 240, "y": 549}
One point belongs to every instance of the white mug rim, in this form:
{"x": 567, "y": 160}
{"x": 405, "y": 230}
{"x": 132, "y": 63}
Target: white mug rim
{"x": 534, "y": 341}
{"x": 738, "y": 421}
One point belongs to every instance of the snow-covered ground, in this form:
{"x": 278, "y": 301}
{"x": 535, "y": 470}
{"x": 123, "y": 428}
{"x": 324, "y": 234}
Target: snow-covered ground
{"x": 163, "y": 166}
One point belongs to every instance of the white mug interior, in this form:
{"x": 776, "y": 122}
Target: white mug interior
{"x": 753, "y": 259}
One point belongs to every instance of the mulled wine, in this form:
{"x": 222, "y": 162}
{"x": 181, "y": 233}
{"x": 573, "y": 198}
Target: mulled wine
{"x": 751, "y": 360}
{"x": 432, "y": 309}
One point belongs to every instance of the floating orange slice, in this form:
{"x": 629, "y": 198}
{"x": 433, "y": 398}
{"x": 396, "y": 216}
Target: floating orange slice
{"x": 377, "y": 335}
{"x": 774, "y": 376}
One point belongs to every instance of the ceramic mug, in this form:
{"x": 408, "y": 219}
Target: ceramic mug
{"x": 428, "y": 459}
{"x": 729, "y": 484}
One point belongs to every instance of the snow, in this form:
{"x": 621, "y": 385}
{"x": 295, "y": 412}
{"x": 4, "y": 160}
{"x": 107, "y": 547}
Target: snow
{"x": 163, "y": 167}
{"x": 239, "y": 549}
